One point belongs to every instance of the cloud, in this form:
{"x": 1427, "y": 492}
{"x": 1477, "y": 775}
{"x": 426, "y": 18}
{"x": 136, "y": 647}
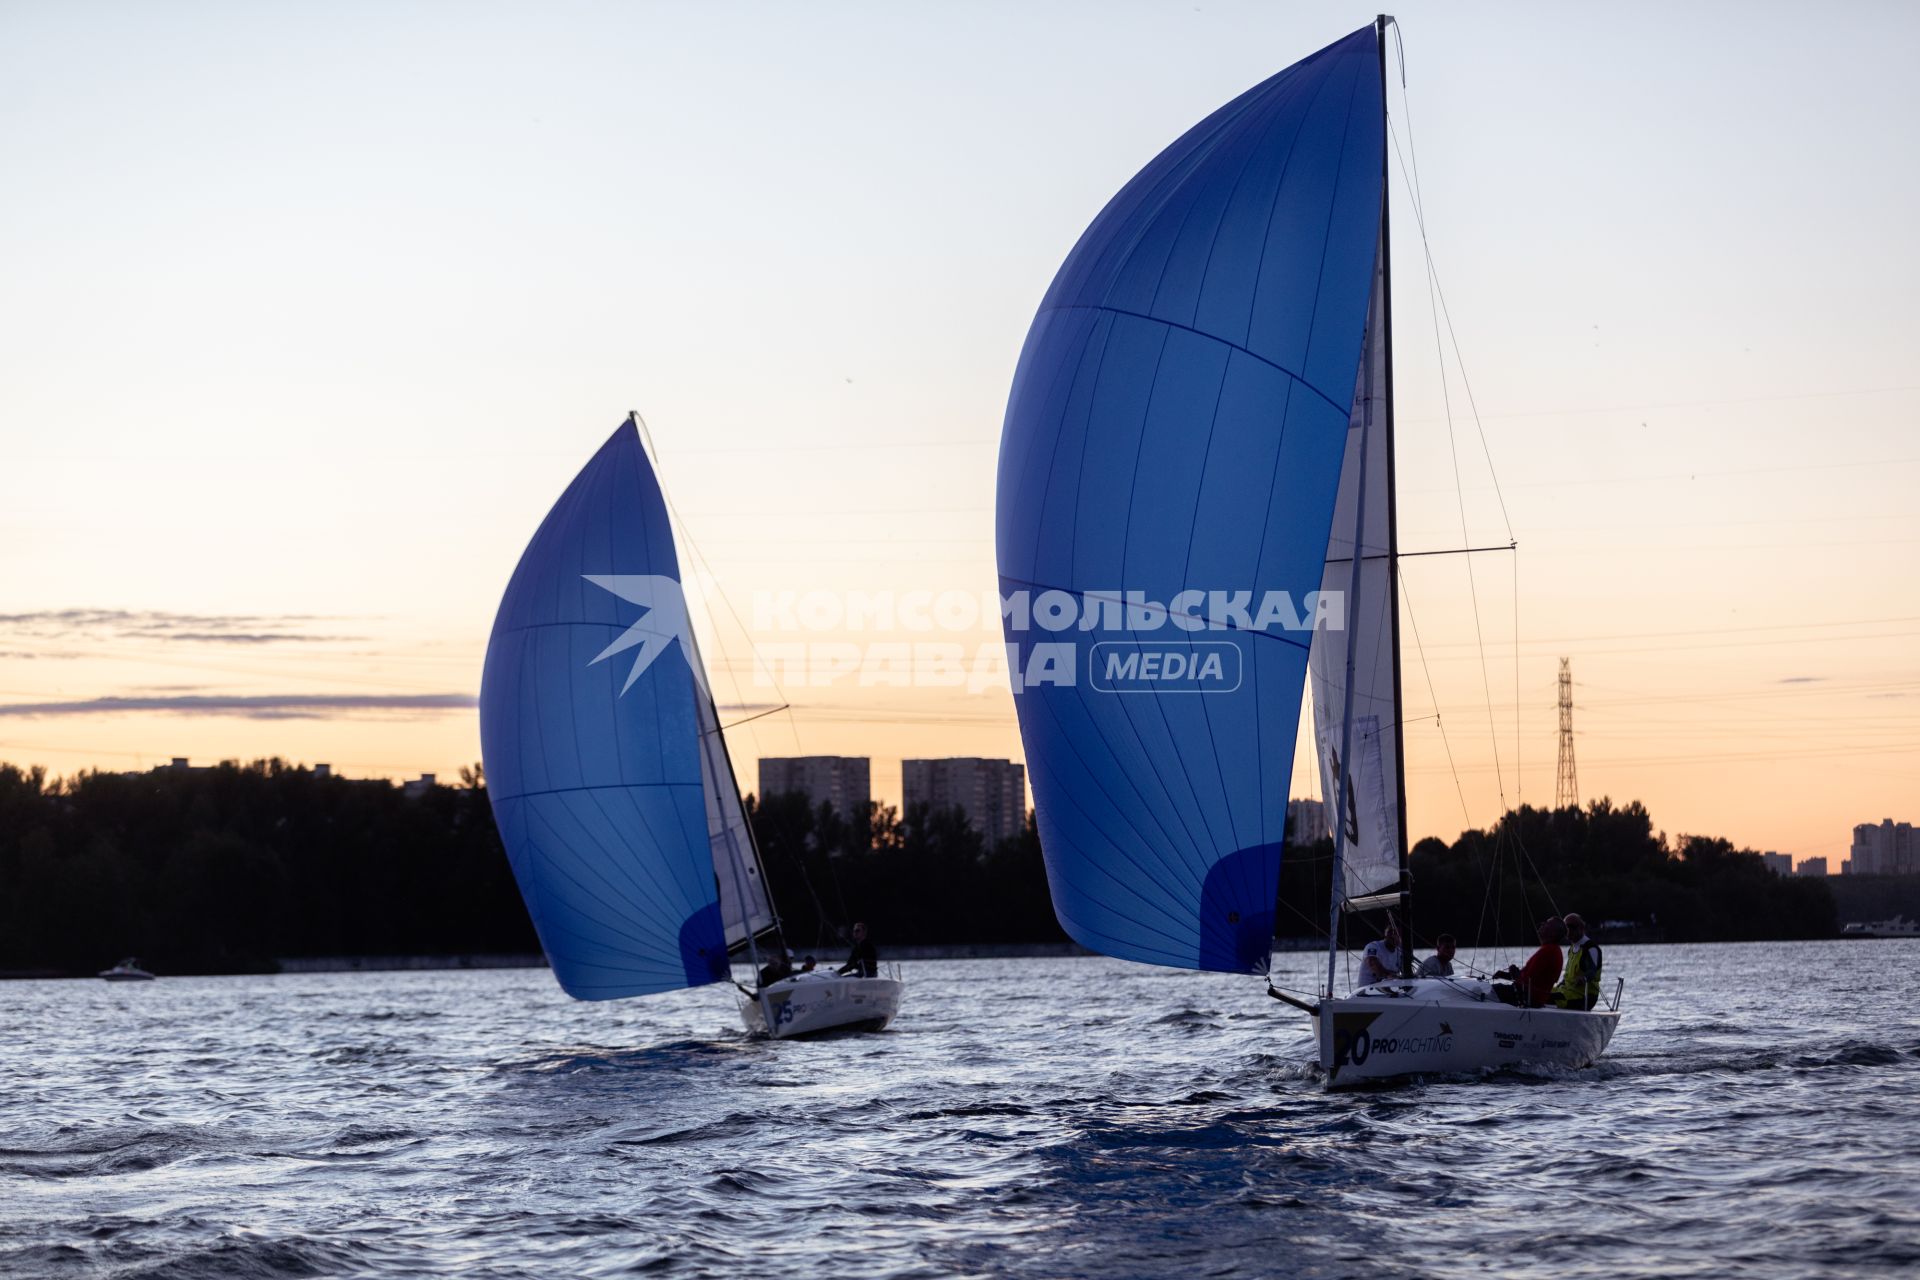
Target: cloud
{"x": 272, "y": 706}
{"x": 1801, "y": 679}
{"x": 159, "y": 624}
{"x": 249, "y": 637}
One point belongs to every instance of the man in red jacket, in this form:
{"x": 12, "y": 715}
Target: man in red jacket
{"x": 1533, "y": 983}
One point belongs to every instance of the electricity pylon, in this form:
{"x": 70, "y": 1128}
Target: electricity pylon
{"x": 1566, "y": 782}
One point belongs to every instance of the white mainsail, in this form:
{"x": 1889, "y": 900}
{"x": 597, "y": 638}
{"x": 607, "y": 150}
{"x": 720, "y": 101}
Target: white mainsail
{"x": 1365, "y": 814}
{"x": 744, "y": 905}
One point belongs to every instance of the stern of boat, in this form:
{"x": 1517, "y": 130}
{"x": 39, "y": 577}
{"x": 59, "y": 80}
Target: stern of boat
{"x": 1445, "y": 1026}
{"x": 813, "y": 1004}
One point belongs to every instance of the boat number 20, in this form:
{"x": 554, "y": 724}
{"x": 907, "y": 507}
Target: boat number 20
{"x": 1352, "y": 1046}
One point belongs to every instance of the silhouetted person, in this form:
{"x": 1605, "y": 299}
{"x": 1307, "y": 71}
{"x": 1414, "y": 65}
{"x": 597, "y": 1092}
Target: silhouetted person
{"x": 863, "y": 959}
{"x": 778, "y": 967}
{"x": 1440, "y": 963}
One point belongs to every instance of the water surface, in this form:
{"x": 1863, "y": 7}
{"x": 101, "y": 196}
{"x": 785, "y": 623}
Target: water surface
{"x": 1758, "y": 1114}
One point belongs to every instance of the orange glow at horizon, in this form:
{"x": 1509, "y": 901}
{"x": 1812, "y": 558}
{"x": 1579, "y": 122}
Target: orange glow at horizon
{"x": 291, "y": 387}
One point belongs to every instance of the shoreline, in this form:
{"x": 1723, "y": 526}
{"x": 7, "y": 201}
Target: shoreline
{"x": 295, "y": 965}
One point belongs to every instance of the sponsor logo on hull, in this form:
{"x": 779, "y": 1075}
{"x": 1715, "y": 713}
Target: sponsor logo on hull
{"x": 1355, "y": 1045}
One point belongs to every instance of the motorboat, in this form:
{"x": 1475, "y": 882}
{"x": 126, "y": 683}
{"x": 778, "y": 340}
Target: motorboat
{"x": 127, "y": 970}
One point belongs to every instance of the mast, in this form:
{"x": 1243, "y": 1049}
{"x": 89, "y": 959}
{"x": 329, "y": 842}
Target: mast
{"x": 1393, "y": 527}
{"x": 1382, "y": 396}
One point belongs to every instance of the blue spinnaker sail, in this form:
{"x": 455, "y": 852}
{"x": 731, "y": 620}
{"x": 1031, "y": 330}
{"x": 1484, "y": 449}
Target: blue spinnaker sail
{"x": 591, "y": 740}
{"x": 1168, "y": 469}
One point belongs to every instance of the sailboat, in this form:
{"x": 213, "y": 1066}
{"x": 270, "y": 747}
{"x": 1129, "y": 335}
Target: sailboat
{"x": 1196, "y": 515}
{"x": 608, "y": 771}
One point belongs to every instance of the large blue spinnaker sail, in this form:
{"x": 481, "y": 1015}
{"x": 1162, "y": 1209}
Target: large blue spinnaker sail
{"x": 590, "y": 733}
{"x": 1168, "y": 472}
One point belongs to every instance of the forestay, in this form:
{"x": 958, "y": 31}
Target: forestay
{"x": 1177, "y": 425}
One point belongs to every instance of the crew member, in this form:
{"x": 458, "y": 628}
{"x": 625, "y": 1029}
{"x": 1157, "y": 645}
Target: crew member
{"x": 1532, "y": 985}
{"x": 1440, "y": 963}
{"x": 1380, "y": 962}
{"x": 779, "y": 965}
{"x": 863, "y": 959}
{"x": 1580, "y": 985}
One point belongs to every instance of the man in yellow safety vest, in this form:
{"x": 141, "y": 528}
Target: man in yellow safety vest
{"x": 1580, "y": 984}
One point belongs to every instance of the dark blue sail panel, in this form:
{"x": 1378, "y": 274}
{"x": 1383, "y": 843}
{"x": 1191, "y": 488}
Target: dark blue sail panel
{"x": 589, "y": 734}
{"x": 1168, "y": 472}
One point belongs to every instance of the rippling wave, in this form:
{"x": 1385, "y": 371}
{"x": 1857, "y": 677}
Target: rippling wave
{"x": 1023, "y": 1118}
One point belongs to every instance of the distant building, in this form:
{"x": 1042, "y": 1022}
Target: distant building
{"x": 1813, "y": 866}
{"x": 1888, "y": 849}
{"x": 841, "y": 781}
{"x": 323, "y": 771}
{"x": 1781, "y": 864}
{"x": 418, "y": 787}
{"x": 1306, "y": 821}
{"x": 993, "y": 793}
{"x": 180, "y": 765}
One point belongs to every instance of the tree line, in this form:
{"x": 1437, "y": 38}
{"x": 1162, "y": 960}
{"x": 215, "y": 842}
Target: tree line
{"x": 224, "y": 870}
{"x": 230, "y": 868}
{"x": 1608, "y": 862}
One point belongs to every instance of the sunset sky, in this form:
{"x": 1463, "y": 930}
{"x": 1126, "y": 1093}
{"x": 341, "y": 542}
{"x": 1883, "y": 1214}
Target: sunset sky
{"x": 310, "y": 312}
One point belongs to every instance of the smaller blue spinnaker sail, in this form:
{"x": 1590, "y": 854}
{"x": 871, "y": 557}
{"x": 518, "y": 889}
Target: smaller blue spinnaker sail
{"x": 591, "y": 740}
{"x": 1169, "y": 464}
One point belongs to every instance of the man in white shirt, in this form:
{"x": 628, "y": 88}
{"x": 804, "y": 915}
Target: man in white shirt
{"x": 1380, "y": 962}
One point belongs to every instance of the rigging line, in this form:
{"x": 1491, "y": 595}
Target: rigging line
{"x": 1436, "y": 302}
{"x": 1443, "y": 551}
{"x": 1473, "y": 586}
{"x": 694, "y": 545}
{"x": 1488, "y": 895}
{"x": 1521, "y": 844}
{"x": 1443, "y": 311}
{"x": 1319, "y": 926}
{"x": 1413, "y": 624}
{"x": 1435, "y": 306}
{"x": 770, "y": 711}
{"x": 1519, "y": 777}
{"x": 1493, "y": 870}
{"x": 1727, "y": 631}
{"x": 823, "y": 921}
{"x": 1652, "y": 405}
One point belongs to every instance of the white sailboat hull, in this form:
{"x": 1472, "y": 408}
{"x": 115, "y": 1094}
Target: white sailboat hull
{"x": 809, "y": 1004}
{"x": 1435, "y": 1026}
